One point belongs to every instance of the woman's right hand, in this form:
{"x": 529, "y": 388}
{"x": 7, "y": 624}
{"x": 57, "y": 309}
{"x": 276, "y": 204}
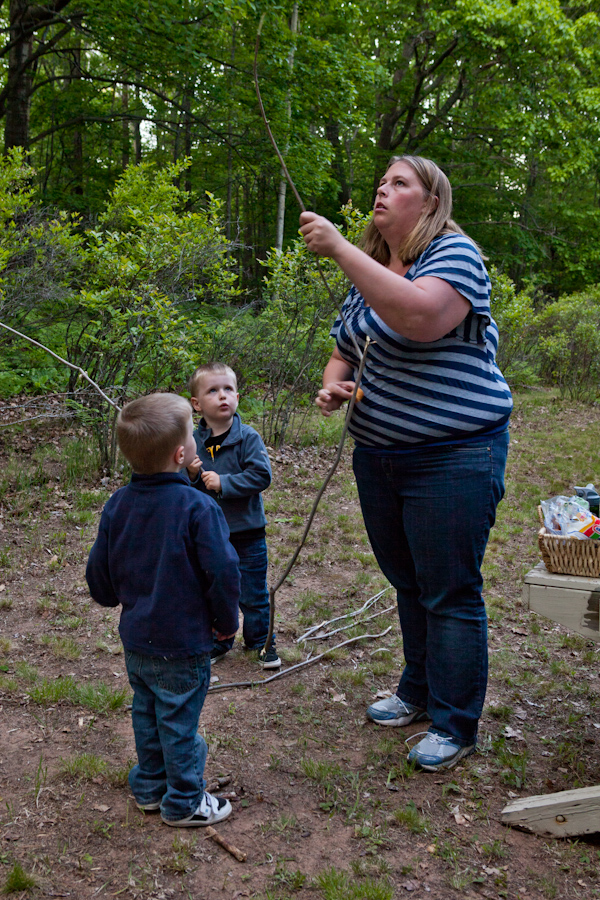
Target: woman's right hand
{"x": 333, "y": 395}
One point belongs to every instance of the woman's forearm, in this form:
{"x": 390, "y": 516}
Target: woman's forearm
{"x": 422, "y": 310}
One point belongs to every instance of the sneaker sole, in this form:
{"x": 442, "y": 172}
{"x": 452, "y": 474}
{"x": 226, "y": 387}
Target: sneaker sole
{"x": 198, "y": 823}
{"x": 445, "y": 765}
{"x": 271, "y": 665}
{"x": 403, "y": 720}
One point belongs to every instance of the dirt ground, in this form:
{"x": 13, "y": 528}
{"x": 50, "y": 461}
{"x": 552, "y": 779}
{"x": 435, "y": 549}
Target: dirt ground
{"x": 324, "y": 802}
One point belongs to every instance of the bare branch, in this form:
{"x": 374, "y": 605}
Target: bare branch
{"x": 66, "y": 362}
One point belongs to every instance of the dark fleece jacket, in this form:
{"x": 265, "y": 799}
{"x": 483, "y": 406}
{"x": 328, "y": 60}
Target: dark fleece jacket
{"x": 163, "y": 552}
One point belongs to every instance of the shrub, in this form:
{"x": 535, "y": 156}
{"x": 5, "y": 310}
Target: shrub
{"x": 568, "y": 334}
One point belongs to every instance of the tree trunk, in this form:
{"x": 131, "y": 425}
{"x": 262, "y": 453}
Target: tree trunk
{"x": 16, "y": 126}
{"x": 282, "y": 181}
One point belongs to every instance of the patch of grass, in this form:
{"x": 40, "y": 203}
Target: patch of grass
{"x": 410, "y": 817}
{"x": 338, "y": 885}
{"x": 81, "y": 461}
{"x": 501, "y": 712}
{"x": 6, "y": 602}
{"x": 97, "y": 697}
{"x": 83, "y": 767}
{"x": 18, "y": 880}
{"x": 512, "y": 763}
{"x": 62, "y": 647}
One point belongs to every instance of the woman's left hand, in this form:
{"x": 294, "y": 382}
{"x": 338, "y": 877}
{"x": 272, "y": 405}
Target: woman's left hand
{"x": 320, "y": 235}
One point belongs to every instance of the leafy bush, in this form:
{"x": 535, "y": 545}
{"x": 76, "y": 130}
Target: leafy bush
{"x": 568, "y": 344}
{"x": 514, "y": 314}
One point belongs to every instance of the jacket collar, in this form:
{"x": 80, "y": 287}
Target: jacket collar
{"x": 234, "y": 436}
{"x": 147, "y": 481}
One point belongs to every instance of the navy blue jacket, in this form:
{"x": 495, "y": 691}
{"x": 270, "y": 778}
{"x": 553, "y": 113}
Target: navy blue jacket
{"x": 244, "y": 468}
{"x": 163, "y": 552}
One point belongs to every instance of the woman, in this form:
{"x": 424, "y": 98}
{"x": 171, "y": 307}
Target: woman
{"x": 431, "y": 439}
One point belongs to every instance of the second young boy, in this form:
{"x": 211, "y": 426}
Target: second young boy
{"x": 233, "y": 467}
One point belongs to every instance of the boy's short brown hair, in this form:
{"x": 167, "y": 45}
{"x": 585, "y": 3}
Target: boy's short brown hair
{"x": 211, "y": 368}
{"x": 150, "y": 429}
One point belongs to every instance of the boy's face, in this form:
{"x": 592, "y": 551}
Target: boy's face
{"x": 217, "y": 399}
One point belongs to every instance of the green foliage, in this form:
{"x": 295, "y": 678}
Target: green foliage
{"x": 18, "y": 880}
{"x": 514, "y": 314}
{"x": 335, "y": 884}
{"x": 568, "y": 337}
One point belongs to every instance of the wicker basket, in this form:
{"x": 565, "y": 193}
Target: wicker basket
{"x": 568, "y": 556}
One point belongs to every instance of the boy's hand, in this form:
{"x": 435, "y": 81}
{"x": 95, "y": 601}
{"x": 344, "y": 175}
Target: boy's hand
{"x": 211, "y": 480}
{"x": 194, "y": 467}
{"x": 223, "y": 637}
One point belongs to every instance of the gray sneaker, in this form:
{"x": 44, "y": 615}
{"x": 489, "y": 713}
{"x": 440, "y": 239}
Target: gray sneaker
{"x": 435, "y": 752}
{"x": 394, "y": 711}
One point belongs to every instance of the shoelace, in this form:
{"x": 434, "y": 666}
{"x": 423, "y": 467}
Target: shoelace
{"x": 435, "y": 738}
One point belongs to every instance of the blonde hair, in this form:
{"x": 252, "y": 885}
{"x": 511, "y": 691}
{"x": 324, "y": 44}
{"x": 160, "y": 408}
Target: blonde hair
{"x": 211, "y": 368}
{"x": 434, "y": 220}
{"x": 150, "y": 429}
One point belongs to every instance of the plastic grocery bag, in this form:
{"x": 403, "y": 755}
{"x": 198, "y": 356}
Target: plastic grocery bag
{"x": 570, "y": 517}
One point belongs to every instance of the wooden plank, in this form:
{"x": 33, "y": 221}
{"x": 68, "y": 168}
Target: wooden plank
{"x": 564, "y": 814}
{"x": 577, "y": 610}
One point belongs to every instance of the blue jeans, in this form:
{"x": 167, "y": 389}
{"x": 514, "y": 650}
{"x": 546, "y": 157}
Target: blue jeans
{"x": 254, "y": 594}
{"x": 168, "y": 695}
{"x": 428, "y": 516}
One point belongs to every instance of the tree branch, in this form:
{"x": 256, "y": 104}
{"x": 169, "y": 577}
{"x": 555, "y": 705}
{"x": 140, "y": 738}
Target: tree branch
{"x": 66, "y": 362}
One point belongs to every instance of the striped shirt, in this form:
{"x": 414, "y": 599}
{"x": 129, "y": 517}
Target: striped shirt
{"x": 420, "y": 394}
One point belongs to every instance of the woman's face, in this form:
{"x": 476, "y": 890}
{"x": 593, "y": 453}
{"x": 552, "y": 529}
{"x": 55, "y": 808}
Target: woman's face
{"x": 399, "y": 202}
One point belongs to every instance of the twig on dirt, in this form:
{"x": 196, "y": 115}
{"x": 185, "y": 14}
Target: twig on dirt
{"x": 218, "y": 839}
{"x": 66, "y": 362}
{"x": 309, "y": 661}
{"x": 320, "y": 493}
{"x": 323, "y": 637}
{"x": 366, "y": 605}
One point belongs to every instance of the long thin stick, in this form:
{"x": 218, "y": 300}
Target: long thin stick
{"x": 317, "y": 499}
{"x": 66, "y": 362}
{"x": 290, "y": 181}
{"x": 307, "y": 662}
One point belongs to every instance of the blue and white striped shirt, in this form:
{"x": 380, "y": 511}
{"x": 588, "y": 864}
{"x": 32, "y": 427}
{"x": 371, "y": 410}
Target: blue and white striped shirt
{"x": 420, "y": 394}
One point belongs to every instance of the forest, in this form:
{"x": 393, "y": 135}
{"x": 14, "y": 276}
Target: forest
{"x": 141, "y": 197}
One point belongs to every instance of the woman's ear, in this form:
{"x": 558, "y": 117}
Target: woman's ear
{"x": 435, "y": 202}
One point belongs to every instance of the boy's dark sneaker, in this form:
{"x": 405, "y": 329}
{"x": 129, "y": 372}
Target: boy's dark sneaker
{"x": 216, "y": 654}
{"x": 211, "y": 810}
{"x": 269, "y": 660}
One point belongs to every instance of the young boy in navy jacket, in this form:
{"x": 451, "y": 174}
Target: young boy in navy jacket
{"x": 233, "y": 466}
{"x": 163, "y": 553}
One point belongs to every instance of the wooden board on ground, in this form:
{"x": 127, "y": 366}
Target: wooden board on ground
{"x": 563, "y": 814}
{"x": 571, "y": 600}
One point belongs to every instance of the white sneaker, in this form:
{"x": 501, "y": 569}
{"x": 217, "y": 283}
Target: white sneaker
{"x": 212, "y": 809}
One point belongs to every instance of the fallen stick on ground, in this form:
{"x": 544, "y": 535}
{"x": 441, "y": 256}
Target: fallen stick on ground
{"x": 307, "y": 662}
{"x": 368, "y": 603}
{"x": 319, "y": 636}
{"x": 218, "y": 839}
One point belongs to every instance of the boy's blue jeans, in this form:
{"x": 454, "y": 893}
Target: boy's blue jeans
{"x": 254, "y": 594}
{"x": 168, "y": 695}
{"x": 428, "y": 516}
